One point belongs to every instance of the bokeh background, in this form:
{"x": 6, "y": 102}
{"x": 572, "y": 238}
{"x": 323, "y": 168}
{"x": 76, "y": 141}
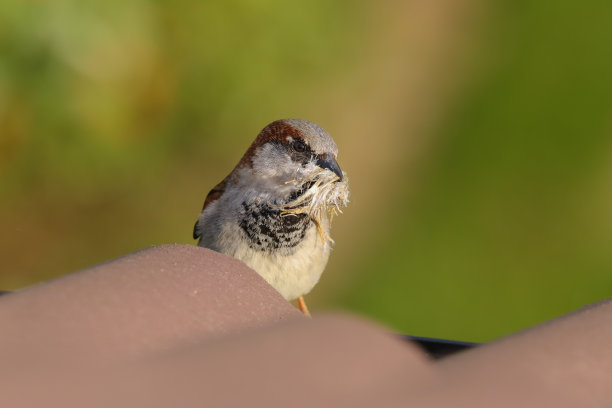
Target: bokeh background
{"x": 476, "y": 134}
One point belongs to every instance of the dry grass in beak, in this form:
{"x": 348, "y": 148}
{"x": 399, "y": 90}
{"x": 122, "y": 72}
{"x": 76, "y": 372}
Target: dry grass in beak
{"x": 324, "y": 197}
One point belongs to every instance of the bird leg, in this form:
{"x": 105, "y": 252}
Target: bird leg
{"x": 302, "y": 306}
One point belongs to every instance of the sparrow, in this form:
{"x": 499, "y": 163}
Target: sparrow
{"x": 274, "y": 210}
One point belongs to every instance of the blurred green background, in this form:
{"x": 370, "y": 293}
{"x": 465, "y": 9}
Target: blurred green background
{"x": 476, "y": 134}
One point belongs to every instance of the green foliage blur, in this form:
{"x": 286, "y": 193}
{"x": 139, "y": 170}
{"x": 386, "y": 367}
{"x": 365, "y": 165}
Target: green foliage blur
{"x": 476, "y": 135}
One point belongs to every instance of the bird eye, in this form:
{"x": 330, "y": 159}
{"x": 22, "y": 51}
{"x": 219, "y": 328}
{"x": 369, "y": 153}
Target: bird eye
{"x": 299, "y": 146}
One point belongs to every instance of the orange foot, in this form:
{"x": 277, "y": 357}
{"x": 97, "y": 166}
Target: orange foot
{"x": 302, "y": 306}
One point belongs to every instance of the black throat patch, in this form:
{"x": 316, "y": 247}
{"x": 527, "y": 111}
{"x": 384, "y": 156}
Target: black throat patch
{"x": 267, "y": 230}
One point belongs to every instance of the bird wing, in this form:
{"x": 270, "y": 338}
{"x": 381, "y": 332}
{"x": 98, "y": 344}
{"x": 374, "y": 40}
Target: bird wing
{"x": 213, "y": 195}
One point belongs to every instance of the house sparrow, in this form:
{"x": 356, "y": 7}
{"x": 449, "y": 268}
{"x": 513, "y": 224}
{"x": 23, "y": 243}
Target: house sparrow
{"x": 274, "y": 210}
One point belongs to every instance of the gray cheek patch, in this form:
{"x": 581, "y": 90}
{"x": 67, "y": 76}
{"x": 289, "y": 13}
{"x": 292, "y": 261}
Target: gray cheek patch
{"x": 271, "y": 160}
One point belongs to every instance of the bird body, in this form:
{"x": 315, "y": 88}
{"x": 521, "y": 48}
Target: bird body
{"x": 273, "y": 210}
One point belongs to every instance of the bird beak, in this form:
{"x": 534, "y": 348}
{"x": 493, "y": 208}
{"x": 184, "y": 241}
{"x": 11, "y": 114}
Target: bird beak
{"x": 328, "y": 162}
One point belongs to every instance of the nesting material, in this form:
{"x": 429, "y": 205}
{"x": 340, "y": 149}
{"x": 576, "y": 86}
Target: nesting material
{"x": 324, "y": 196}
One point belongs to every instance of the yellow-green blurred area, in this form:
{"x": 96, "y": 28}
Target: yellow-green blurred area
{"x": 476, "y": 136}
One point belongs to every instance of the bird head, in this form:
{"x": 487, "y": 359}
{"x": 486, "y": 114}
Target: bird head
{"x": 299, "y": 159}
{"x": 289, "y": 146}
